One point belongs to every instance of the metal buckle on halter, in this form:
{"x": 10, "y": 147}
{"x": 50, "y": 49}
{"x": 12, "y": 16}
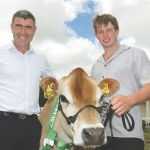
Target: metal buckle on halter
{"x": 105, "y": 110}
{"x": 22, "y": 116}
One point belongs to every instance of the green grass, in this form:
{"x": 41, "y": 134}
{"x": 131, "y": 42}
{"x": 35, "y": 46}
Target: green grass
{"x": 147, "y": 138}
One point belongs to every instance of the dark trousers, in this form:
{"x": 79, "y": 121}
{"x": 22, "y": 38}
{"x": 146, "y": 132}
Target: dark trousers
{"x": 123, "y": 144}
{"x": 18, "y": 134}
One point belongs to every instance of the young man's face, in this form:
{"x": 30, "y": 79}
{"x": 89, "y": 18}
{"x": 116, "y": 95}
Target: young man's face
{"x": 23, "y": 32}
{"x": 107, "y": 35}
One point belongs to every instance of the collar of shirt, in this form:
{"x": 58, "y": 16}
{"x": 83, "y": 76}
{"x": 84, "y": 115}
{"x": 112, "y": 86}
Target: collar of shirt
{"x": 120, "y": 50}
{"x": 12, "y": 47}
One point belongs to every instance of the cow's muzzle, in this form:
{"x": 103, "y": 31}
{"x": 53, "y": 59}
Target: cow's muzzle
{"x": 93, "y": 136}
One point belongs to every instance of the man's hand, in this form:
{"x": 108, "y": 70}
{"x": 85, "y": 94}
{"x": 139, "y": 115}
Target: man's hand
{"x": 121, "y": 104}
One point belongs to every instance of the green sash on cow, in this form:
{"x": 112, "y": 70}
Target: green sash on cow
{"x": 50, "y": 137}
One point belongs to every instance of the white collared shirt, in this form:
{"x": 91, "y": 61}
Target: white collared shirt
{"x": 20, "y": 75}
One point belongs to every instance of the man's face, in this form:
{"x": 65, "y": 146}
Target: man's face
{"x": 23, "y": 32}
{"x": 107, "y": 35}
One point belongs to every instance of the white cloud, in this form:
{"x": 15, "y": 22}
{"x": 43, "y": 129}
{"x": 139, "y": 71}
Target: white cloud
{"x": 102, "y": 6}
{"x": 64, "y": 49}
{"x": 76, "y": 52}
{"x": 131, "y": 41}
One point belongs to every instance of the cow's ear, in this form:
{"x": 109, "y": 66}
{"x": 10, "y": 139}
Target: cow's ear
{"x": 108, "y": 86}
{"x": 49, "y": 83}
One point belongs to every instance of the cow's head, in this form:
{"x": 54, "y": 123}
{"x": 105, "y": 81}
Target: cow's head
{"x": 80, "y": 97}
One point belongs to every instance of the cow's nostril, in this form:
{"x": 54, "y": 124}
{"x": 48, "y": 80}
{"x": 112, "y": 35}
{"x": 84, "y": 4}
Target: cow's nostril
{"x": 87, "y": 134}
{"x": 93, "y": 136}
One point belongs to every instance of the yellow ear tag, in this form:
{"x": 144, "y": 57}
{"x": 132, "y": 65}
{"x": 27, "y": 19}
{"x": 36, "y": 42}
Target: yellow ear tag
{"x": 49, "y": 92}
{"x": 105, "y": 89}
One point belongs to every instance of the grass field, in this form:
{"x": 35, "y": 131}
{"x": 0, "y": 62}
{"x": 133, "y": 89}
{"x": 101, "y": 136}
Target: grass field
{"x": 147, "y": 138}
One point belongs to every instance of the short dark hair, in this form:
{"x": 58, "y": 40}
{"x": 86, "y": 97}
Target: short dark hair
{"x": 24, "y": 14}
{"x": 98, "y": 20}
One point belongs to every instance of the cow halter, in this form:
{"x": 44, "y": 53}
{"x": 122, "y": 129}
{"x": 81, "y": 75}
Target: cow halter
{"x": 72, "y": 119}
{"x": 104, "y": 111}
{"x": 106, "y": 114}
{"x": 50, "y": 137}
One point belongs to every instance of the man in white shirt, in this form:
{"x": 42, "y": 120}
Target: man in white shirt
{"x": 131, "y": 67}
{"x": 21, "y": 69}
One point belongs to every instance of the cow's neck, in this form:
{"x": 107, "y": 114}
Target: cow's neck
{"x": 61, "y": 127}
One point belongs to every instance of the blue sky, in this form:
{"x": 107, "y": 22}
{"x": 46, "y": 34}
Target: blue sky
{"x": 65, "y": 33}
{"x": 82, "y": 24}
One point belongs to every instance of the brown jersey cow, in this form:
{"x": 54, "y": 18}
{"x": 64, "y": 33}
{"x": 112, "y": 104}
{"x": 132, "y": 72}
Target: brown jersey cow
{"x": 78, "y": 94}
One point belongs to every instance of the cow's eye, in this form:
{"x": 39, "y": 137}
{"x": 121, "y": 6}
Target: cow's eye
{"x": 63, "y": 99}
{"x": 64, "y": 102}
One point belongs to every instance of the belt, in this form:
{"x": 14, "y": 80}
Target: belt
{"x": 17, "y": 115}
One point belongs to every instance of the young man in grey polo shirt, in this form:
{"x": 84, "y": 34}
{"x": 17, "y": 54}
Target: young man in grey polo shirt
{"x": 131, "y": 68}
